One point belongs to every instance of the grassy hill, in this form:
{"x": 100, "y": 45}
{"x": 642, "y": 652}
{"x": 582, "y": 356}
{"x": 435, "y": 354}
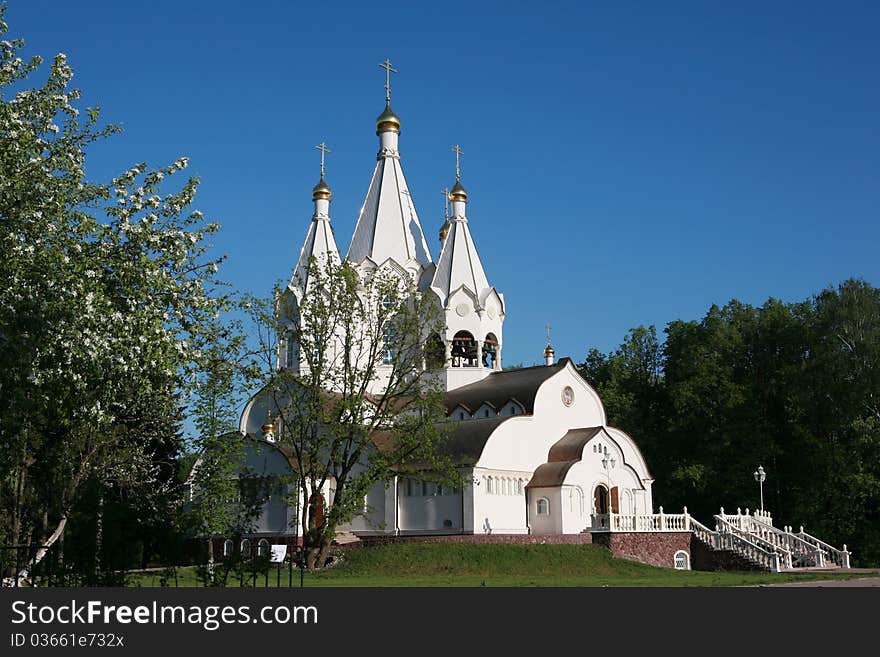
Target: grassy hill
{"x": 451, "y": 564}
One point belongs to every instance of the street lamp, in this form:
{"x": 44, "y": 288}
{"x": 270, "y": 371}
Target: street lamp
{"x": 608, "y": 463}
{"x": 760, "y": 476}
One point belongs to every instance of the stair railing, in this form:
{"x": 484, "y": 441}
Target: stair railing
{"x": 751, "y": 546}
{"x": 839, "y": 557}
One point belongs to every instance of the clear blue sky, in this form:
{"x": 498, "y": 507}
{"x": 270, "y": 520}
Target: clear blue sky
{"x": 627, "y": 163}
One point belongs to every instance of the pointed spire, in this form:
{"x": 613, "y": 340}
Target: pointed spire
{"x": 320, "y": 243}
{"x": 459, "y": 264}
{"x": 388, "y": 226}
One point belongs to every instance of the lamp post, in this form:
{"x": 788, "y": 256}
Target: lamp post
{"x": 608, "y": 463}
{"x": 760, "y": 476}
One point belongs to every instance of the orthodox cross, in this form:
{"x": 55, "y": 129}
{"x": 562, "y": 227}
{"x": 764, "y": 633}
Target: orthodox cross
{"x": 388, "y": 71}
{"x": 323, "y": 148}
{"x": 446, "y": 202}
{"x": 548, "y": 333}
{"x": 458, "y": 153}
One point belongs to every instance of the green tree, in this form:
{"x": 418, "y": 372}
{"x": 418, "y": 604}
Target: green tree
{"x": 104, "y": 290}
{"x": 358, "y": 402}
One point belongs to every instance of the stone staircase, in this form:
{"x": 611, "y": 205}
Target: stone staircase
{"x": 753, "y": 538}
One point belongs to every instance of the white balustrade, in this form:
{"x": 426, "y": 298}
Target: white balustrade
{"x": 643, "y": 522}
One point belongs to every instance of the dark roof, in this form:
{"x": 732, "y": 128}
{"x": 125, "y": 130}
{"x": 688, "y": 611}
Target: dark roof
{"x": 500, "y": 387}
{"x": 550, "y": 474}
{"x": 563, "y": 454}
{"x": 464, "y": 441}
{"x": 571, "y": 446}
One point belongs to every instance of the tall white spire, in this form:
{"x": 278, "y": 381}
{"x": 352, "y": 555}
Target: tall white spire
{"x": 459, "y": 263}
{"x": 474, "y": 311}
{"x": 320, "y": 243}
{"x": 388, "y": 227}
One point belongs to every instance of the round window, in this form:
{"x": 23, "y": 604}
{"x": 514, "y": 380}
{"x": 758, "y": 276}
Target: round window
{"x": 567, "y": 396}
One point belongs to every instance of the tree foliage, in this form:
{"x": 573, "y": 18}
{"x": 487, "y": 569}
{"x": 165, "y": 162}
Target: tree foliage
{"x": 105, "y": 291}
{"x": 357, "y": 402}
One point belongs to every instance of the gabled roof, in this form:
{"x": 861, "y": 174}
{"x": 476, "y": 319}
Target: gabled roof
{"x": 388, "y": 226}
{"x": 500, "y": 387}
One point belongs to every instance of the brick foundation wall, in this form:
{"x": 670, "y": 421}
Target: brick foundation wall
{"x": 653, "y": 548}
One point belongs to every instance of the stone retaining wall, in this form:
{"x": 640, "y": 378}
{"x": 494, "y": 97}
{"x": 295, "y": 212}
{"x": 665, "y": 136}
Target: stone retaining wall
{"x": 653, "y": 548}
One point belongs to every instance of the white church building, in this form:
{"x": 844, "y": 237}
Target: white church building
{"x": 534, "y": 446}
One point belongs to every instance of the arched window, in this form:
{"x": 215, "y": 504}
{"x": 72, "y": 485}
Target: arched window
{"x": 543, "y": 507}
{"x": 389, "y": 346}
{"x": 245, "y": 549}
{"x": 682, "y": 560}
{"x": 263, "y": 548}
{"x": 490, "y": 488}
{"x": 519, "y": 486}
{"x": 291, "y": 352}
{"x": 228, "y": 548}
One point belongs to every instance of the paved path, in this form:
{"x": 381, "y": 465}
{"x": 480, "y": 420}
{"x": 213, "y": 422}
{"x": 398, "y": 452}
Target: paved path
{"x": 860, "y": 582}
{"x": 871, "y": 579}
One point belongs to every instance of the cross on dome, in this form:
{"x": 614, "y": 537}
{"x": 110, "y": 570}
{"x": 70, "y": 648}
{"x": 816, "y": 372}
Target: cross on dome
{"x": 388, "y": 71}
{"x": 323, "y": 148}
{"x": 458, "y": 153}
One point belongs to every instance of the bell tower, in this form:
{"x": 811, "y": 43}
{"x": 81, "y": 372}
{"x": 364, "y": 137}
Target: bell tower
{"x": 474, "y": 311}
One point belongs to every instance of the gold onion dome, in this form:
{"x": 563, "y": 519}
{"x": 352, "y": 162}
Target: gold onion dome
{"x": 387, "y": 120}
{"x": 444, "y": 231}
{"x": 268, "y": 428}
{"x": 548, "y": 351}
{"x": 457, "y": 193}
{"x": 321, "y": 190}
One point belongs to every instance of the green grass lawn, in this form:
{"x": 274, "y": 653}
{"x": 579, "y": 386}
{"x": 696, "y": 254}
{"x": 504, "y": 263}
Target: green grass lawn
{"x": 450, "y": 564}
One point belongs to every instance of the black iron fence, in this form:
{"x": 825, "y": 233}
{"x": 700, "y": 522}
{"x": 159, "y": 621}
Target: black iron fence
{"x": 47, "y": 566}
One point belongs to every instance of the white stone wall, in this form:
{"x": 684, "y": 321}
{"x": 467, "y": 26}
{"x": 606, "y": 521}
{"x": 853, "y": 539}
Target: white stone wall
{"x": 522, "y": 443}
{"x": 547, "y": 523}
{"x": 499, "y": 504}
{"x": 422, "y": 507}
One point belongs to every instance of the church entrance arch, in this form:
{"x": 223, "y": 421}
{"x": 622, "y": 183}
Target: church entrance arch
{"x": 603, "y": 499}
{"x": 600, "y": 499}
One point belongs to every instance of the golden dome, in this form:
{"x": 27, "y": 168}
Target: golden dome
{"x": 321, "y": 190}
{"x": 444, "y": 231}
{"x": 269, "y": 427}
{"x": 548, "y": 351}
{"x": 387, "y": 120}
{"x": 457, "y": 193}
